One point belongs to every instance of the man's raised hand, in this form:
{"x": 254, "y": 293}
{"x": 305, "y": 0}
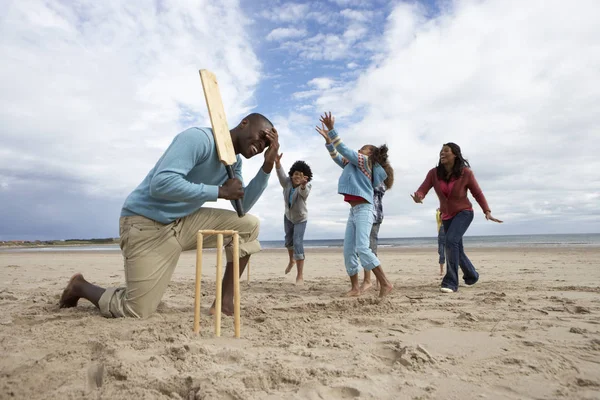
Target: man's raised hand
{"x": 272, "y": 152}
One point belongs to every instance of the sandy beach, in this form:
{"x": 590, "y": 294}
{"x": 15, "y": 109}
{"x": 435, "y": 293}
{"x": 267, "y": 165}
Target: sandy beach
{"x": 530, "y": 329}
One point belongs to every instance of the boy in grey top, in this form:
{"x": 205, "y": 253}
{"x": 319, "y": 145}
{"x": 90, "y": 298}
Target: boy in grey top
{"x": 296, "y": 188}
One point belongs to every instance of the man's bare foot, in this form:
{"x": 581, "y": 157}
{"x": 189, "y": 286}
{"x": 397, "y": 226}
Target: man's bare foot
{"x": 366, "y": 286}
{"x": 299, "y": 281}
{"x": 385, "y": 290}
{"x": 70, "y": 296}
{"x": 225, "y": 309}
{"x": 289, "y": 267}
{"x": 353, "y": 293}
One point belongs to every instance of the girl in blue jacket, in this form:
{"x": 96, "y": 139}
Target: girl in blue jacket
{"x": 362, "y": 171}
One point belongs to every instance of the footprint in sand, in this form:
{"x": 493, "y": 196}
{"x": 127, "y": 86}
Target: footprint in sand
{"x": 579, "y": 331}
{"x": 394, "y": 353}
{"x": 587, "y": 383}
{"x": 95, "y": 376}
{"x": 345, "y": 392}
{"x": 317, "y": 391}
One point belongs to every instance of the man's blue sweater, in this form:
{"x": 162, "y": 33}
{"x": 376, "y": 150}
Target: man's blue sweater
{"x": 187, "y": 175}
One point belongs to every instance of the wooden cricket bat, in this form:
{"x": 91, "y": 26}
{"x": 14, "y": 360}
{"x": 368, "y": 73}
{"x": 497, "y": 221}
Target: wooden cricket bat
{"x": 216, "y": 111}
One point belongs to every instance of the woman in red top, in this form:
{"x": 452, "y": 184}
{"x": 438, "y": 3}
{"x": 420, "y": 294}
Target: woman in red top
{"x": 450, "y": 180}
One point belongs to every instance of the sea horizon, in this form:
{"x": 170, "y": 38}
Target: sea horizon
{"x": 524, "y": 240}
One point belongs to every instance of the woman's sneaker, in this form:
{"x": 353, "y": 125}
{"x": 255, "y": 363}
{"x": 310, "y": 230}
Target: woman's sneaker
{"x": 446, "y": 290}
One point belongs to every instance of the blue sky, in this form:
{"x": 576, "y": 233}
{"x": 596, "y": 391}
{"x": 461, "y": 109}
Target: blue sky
{"x": 91, "y": 93}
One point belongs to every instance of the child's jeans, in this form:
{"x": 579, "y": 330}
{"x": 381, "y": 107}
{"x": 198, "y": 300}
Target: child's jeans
{"x": 442, "y": 245}
{"x": 374, "y": 238}
{"x": 356, "y": 240}
{"x": 294, "y": 237}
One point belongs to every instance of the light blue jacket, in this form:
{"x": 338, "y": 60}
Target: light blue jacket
{"x": 358, "y": 177}
{"x": 187, "y": 175}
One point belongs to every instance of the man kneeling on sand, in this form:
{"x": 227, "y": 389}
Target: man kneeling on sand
{"x": 162, "y": 216}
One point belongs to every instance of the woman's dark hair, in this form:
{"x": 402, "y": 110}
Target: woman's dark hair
{"x": 459, "y": 163}
{"x": 379, "y": 155}
{"x": 302, "y": 167}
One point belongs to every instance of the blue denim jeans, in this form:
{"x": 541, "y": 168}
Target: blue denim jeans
{"x": 455, "y": 229}
{"x": 441, "y": 244}
{"x": 294, "y": 237}
{"x": 357, "y": 240}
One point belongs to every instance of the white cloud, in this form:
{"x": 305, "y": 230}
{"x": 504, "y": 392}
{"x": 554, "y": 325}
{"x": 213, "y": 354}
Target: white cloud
{"x": 334, "y": 42}
{"x": 285, "y": 33}
{"x": 322, "y": 83}
{"x": 353, "y": 3}
{"x": 289, "y": 12}
{"x": 305, "y": 94}
{"x": 323, "y": 18}
{"x": 357, "y": 15}
{"x": 328, "y": 46}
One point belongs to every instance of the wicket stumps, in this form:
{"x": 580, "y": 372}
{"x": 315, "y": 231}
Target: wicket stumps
{"x": 236, "y": 280}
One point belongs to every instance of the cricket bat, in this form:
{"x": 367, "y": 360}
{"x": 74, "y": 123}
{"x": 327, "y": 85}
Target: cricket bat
{"x": 221, "y": 134}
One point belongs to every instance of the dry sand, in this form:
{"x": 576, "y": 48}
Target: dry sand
{"x": 530, "y": 329}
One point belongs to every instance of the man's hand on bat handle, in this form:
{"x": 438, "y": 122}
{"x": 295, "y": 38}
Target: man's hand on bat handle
{"x": 232, "y": 189}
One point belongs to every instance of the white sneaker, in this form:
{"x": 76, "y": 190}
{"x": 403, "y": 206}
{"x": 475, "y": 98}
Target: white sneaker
{"x": 446, "y": 290}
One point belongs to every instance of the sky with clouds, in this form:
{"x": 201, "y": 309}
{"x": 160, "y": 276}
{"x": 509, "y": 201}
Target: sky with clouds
{"x": 91, "y": 93}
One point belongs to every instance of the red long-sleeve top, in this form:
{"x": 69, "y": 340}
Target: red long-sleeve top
{"x": 457, "y": 200}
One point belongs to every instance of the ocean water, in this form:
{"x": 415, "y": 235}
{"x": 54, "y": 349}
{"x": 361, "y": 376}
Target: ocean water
{"x": 556, "y": 240}
{"x": 591, "y": 240}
